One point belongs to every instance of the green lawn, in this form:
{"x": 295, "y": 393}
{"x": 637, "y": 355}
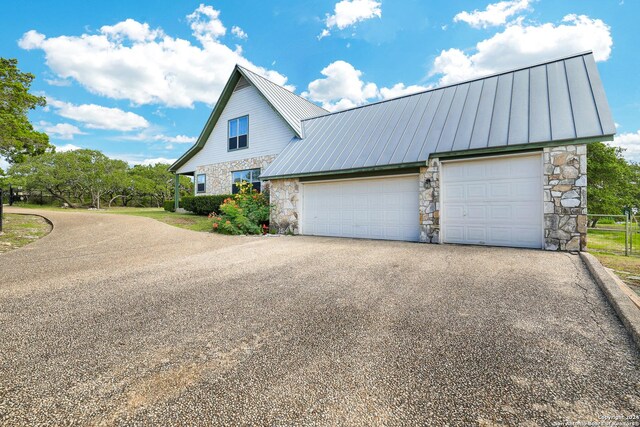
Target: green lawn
{"x": 182, "y": 220}
{"x": 613, "y": 241}
{"x": 186, "y": 220}
{"x": 626, "y": 267}
{"x": 20, "y": 230}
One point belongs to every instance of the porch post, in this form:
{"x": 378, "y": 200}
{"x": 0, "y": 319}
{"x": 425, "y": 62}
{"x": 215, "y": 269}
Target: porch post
{"x": 176, "y": 195}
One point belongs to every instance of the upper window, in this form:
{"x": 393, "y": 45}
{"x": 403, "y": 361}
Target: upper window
{"x": 239, "y": 133}
{"x": 249, "y": 175}
{"x": 201, "y": 183}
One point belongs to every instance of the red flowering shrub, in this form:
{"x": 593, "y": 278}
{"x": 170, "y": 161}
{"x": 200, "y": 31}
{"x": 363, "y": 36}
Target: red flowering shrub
{"x": 245, "y": 213}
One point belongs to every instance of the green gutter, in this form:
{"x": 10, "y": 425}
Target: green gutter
{"x": 520, "y": 147}
{"x": 535, "y": 146}
{"x": 399, "y": 166}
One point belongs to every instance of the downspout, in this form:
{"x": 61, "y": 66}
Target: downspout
{"x": 176, "y": 194}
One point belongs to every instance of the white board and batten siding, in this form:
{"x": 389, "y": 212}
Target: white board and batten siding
{"x": 493, "y": 201}
{"x": 268, "y": 132}
{"x": 370, "y": 208}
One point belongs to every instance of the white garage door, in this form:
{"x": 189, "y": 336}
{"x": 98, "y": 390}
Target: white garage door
{"x": 381, "y": 208}
{"x": 495, "y": 201}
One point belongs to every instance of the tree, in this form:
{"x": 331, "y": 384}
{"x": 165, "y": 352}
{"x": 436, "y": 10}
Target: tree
{"x": 71, "y": 175}
{"x": 99, "y": 174}
{"x": 18, "y": 139}
{"x": 610, "y": 186}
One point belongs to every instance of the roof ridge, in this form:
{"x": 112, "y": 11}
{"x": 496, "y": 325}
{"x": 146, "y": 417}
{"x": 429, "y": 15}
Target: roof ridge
{"x": 475, "y": 79}
{"x": 279, "y": 87}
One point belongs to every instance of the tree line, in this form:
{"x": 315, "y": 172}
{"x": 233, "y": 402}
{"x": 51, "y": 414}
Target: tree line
{"x": 77, "y": 178}
{"x": 90, "y": 178}
{"x": 613, "y": 183}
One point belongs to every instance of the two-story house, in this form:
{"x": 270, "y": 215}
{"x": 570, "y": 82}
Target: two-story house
{"x": 499, "y": 160}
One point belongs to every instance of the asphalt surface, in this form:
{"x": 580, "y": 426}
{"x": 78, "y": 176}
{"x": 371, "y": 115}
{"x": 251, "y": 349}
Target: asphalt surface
{"x": 118, "y": 320}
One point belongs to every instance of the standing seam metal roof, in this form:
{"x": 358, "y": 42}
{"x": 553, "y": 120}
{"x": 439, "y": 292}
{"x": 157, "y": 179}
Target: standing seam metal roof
{"x": 561, "y": 100}
{"x": 291, "y": 107}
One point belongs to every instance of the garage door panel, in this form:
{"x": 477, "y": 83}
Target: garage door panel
{"x": 500, "y": 213}
{"x": 500, "y": 190}
{"x": 476, "y": 191}
{"x": 378, "y": 208}
{"x": 476, "y": 212}
{"x": 454, "y": 191}
{"x": 508, "y": 213}
{"x": 476, "y": 234}
{"x": 500, "y": 235}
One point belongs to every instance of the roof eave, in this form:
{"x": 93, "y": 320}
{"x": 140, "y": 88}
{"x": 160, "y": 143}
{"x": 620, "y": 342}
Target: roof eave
{"x": 296, "y": 131}
{"x": 345, "y": 171}
{"x": 522, "y": 147}
{"x": 462, "y": 153}
{"x": 211, "y": 122}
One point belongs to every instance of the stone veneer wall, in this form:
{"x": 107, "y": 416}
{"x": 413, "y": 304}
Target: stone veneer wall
{"x": 429, "y": 203}
{"x": 565, "y": 198}
{"x": 564, "y": 195}
{"x": 219, "y": 174}
{"x": 284, "y": 197}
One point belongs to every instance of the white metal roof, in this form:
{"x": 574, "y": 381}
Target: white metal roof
{"x": 290, "y": 106}
{"x": 561, "y": 100}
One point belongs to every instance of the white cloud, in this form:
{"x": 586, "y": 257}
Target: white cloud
{"x": 150, "y": 162}
{"x": 148, "y": 136}
{"x": 350, "y": 12}
{"x": 341, "y": 88}
{"x": 494, "y": 14}
{"x": 132, "y": 30}
{"x": 98, "y": 117}
{"x": 67, "y": 147}
{"x": 141, "y": 159}
{"x": 399, "y": 89}
{"x": 631, "y": 143}
{"x": 523, "y": 44}
{"x": 58, "y": 82}
{"x": 129, "y": 60}
{"x": 206, "y": 24}
{"x": 31, "y": 40}
{"x": 239, "y": 32}
{"x": 61, "y": 130}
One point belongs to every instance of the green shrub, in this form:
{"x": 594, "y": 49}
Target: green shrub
{"x": 606, "y": 221}
{"x": 203, "y": 205}
{"x": 169, "y": 206}
{"x": 245, "y": 213}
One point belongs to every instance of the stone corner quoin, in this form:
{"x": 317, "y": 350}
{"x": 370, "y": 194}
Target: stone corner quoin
{"x": 565, "y": 197}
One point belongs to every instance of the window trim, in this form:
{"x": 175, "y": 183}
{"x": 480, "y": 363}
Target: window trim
{"x": 259, "y": 181}
{"x": 204, "y": 183}
{"x": 229, "y": 131}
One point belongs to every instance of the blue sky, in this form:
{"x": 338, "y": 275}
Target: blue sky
{"x": 137, "y": 79}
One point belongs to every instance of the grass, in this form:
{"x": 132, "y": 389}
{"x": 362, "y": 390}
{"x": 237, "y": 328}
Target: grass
{"x": 611, "y": 241}
{"x": 626, "y": 267}
{"x": 183, "y": 220}
{"x": 20, "y": 230}
{"x": 188, "y": 221}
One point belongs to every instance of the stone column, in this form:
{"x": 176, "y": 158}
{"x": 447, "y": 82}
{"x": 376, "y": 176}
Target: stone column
{"x": 565, "y": 198}
{"x": 429, "y": 191}
{"x": 284, "y": 195}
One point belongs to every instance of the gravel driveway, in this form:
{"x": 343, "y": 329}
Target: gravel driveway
{"x": 119, "y": 320}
